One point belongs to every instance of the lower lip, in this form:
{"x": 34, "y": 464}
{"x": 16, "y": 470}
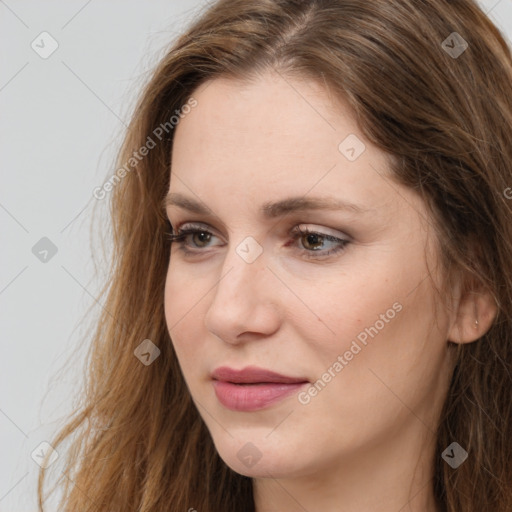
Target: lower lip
{"x": 251, "y": 397}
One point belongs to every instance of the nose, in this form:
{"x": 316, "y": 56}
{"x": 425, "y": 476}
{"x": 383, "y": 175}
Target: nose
{"x": 245, "y": 301}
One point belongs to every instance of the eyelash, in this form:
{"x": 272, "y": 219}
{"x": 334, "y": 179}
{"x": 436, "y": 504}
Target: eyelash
{"x": 179, "y": 238}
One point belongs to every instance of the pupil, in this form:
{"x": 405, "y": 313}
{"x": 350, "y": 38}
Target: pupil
{"x": 203, "y": 237}
{"x": 314, "y": 237}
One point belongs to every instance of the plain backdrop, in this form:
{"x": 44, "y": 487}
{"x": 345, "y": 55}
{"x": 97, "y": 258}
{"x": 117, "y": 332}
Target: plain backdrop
{"x": 70, "y": 73}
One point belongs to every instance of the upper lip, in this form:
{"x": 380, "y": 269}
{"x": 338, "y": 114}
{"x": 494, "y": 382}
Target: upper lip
{"x": 252, "y": 375}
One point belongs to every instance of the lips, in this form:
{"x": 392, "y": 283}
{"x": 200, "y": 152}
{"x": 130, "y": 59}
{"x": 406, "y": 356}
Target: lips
{"x": 253, "y": 375}
{"x": 252, "y": 388}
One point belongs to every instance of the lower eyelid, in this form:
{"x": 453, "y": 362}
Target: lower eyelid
{"x": 341, "y": 243}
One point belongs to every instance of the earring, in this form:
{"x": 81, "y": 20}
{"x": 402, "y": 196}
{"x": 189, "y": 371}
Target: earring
{"x": 476, "y": 323}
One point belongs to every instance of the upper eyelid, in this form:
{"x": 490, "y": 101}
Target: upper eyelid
{"x": 315, "y": 228}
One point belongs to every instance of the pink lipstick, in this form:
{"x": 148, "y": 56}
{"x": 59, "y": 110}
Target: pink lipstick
{"x": 252, "y": 388}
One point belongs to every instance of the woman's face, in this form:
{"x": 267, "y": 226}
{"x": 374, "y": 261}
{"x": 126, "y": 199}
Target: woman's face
{"x": 353, "y": 322}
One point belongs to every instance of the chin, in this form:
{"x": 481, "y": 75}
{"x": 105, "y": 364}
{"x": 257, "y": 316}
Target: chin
{"x": 262, "y": 462}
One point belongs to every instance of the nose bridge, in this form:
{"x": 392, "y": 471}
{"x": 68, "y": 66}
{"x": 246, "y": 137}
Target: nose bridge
{"x": 242, "y": 298}
{"x": 244, "y": 265}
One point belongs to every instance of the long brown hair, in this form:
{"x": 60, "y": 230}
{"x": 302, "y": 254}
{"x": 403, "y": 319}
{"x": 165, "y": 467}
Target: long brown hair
{"x": 137, "y": 441}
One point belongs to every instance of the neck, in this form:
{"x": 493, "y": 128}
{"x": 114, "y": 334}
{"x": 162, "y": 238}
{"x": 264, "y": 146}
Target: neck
{"x": 389, "y": 477}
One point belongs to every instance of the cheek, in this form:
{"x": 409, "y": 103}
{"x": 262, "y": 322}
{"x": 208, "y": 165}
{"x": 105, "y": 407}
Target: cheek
{"x": 181, "y": 305}
{"x": 336, "y": 313}
{"x": 183, "y": 293}
{"x": 366, "y": 329}
{"x": 387, "y": 349}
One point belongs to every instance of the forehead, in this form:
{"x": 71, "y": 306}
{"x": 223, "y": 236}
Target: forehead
{"x": 277, "y": 137}
{"x": 299, "y": 117}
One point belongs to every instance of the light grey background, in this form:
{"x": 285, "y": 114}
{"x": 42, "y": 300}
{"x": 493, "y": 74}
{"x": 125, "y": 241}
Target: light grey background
{"x": 62, "y": 119}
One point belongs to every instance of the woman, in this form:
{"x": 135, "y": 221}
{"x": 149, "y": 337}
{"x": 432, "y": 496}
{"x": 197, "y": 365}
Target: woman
{"x": 310, "y": 305}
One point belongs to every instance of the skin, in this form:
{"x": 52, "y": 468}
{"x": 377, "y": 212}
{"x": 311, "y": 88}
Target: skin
{"x": 365, "y": 441}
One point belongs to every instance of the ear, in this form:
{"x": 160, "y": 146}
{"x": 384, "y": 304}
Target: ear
{"x": 475, "y": 311}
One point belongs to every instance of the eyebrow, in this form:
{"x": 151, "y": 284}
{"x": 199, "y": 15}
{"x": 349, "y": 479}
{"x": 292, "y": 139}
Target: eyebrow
{"x": 271, "y": 210}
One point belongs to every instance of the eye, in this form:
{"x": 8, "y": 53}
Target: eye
{"x": 193, "y": 238}
{"x": 183, "y": 235}
{"x": 316, "y": 238}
